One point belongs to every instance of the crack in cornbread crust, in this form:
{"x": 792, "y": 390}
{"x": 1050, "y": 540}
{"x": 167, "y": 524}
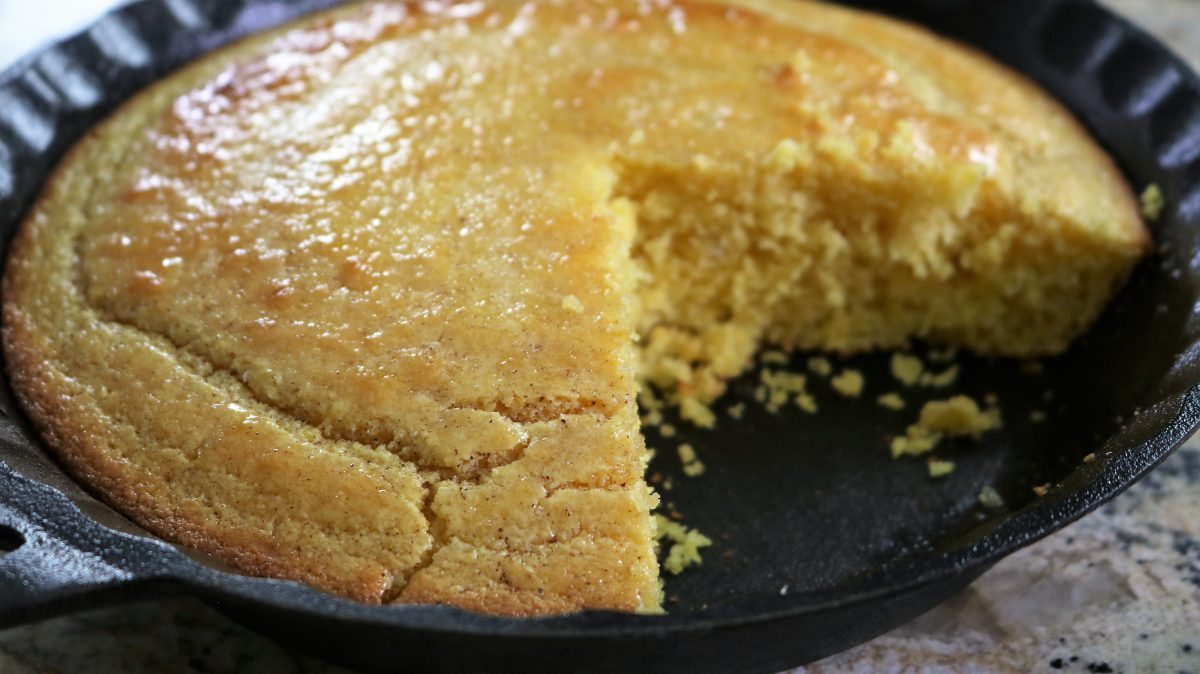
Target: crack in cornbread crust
{"x": 501, "y": 383}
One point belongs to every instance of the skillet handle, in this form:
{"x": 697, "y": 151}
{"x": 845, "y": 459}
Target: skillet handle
{"x": 46, "y": 572}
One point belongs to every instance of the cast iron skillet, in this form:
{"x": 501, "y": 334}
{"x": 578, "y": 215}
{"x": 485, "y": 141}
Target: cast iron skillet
{"x": 815, "y": 504}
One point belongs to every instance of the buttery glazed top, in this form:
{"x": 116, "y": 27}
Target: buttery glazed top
{"x": 352, "y": 304}
{"x": 331, "y": 197}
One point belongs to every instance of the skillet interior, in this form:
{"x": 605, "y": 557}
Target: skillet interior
{"x": 814, "y": 503}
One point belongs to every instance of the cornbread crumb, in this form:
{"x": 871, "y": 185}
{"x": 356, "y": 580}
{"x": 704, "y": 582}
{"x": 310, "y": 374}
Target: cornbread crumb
{"x": 692, "y": 467}
{"x": 685, "y": 544}
{"x": 780, "y": 386}
{"x": 820, "y": 366}
{"x": 652, "y": 418}
{"x": 667, "y": 430}
{"x": 990, "y": 498}
{"x": 1037, "y": 416}
{"x": 648, "y": 399}
{"x": 958, "y": 416}
{"x": 806, "y": 403}
{"x": 571, "y": 303}
{"x": 939, "y": 468}
{"x": 907, "y": 368}
{"x": 940, "y": 380}
{"x": 697, "y": 412}
{"x": 1089, "y": 458}
{"x": 774, "y": 358}
{"x": 917, "y": 440}
{"x": 849, "y": 383}
{"x": 892, "y": 401}
{"x": 736, "y": 411}
{"x": 1152, "y": 202}
{"x": 945, "y": 355}
{"x": 1041, "y": 489}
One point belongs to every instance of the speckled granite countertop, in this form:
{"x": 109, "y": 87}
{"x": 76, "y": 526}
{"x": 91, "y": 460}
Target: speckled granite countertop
{"x": 1117, "y": 592}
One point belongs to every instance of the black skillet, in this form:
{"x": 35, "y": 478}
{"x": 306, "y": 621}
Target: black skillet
{"x": 815, "y": 504}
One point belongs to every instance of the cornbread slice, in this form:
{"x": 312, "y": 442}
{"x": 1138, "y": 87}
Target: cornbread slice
{"x": 355, "y": 302}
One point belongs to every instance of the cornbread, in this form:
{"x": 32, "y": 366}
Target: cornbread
{"x": 892, "y": 401}
{"x": 990, "y": 498}
{"x": 958, "y": 416}
{"x": 939, "y": 468}
{"x": 685, "y": 545}
{"x": 907, "y": 368}
{"x": 1152, "y": 202}
{"x": 355, "y": 302}
{"x": 848, "y": 383}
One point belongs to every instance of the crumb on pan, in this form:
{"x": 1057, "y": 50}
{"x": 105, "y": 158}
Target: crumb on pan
{"x": 892, "y": 401}
{"x": 685, "y": 544}
{"x": 849, "y": 383}
{"x": 990, "y": 498}
{"x": 780, "y": 386}
{"x": 1152, "y": 202}
{"x": 773, "y": 357}
{"x": 692, "y": 466}
{"x": 907, "y": 368}
{"x": 917, "y": 440}
{"x": 956, "y": 417}
{"x": 943, "y": 355}
{"x": 939, "y": 468}
{"x": 820, "y": 366}
{"x": 941, "y": 379}
{"x": 806, "y": 402}
{"x": 697, "y": 412}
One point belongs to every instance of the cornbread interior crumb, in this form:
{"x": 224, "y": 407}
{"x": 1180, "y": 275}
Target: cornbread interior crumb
{"x": 316, "y": 302}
